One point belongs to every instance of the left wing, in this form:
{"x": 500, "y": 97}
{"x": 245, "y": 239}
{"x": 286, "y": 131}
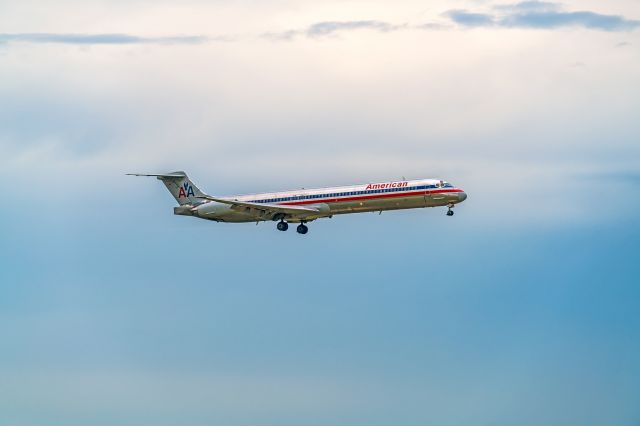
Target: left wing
{"x": 296, "y": 211}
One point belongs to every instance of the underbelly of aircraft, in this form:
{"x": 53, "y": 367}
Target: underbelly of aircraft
{"x": 342, "y": 207}
{"x": 351, "y": 206}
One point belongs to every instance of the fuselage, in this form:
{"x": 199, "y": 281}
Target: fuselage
{"x": 393, "y": 195}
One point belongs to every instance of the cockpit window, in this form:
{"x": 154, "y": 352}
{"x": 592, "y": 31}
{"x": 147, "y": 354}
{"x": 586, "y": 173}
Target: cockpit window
{"x": 446, "y": 185}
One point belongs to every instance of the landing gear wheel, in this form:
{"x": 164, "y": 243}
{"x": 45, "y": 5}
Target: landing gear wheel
{"x": 302, "y": 229}
{"x": 450, "y": 213}
{"x": 282, "y": 226}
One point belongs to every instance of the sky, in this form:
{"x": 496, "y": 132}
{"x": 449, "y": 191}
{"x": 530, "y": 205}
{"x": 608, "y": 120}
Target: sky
{"x": 523, "y": 308}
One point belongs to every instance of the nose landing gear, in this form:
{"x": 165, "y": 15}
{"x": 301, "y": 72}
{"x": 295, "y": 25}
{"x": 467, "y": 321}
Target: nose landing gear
{"x": 450, "y": 211}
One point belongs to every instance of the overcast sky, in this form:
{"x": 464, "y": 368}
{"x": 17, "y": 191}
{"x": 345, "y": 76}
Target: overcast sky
{"x": 522, "y": 308}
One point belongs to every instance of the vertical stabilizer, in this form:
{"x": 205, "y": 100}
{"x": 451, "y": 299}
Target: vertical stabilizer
{"x": 178, "y": 183}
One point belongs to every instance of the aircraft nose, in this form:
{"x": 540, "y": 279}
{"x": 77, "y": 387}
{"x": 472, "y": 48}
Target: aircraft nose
{"x": 462, "y": 196}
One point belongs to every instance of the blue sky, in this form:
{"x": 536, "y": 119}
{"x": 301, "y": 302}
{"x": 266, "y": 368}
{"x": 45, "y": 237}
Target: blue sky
{"x": 522, "y": 308}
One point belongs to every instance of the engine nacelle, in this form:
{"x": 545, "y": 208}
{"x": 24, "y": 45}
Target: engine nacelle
{"x": 183, "y": 210}
{"x": 211, "y": 210}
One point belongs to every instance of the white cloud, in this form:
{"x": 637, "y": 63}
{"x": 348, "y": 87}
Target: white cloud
{"x": 540, "y": 15}
{"x": 370, "y": 105}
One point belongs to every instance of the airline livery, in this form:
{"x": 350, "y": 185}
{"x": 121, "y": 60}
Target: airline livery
{"x": 304, "y": 205}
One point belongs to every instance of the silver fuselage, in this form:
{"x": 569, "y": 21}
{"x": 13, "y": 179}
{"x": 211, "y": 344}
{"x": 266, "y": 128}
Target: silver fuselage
{"x": 336, "y": 200}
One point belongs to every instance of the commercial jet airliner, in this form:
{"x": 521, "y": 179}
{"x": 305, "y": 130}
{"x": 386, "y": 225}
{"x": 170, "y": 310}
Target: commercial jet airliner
{"x": 304, "y": 205}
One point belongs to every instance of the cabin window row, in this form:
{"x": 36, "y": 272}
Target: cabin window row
{"x": 347, "y": 194}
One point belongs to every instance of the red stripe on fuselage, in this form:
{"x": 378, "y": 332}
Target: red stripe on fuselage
{"x": 370, "y": 197}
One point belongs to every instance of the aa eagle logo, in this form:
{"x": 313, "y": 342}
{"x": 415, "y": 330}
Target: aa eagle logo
{"x": 186, "y": 190}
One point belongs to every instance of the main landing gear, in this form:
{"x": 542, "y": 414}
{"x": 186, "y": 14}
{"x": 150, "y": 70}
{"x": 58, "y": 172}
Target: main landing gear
{"x": 301, "y": 229}
{"x": 450, "y": 212}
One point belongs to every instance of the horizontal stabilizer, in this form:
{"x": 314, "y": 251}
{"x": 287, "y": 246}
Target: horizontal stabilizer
{"x": 175, "y": 175}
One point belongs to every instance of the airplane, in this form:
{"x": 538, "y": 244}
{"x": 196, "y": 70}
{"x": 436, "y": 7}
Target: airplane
{"x": 305, "y": 205}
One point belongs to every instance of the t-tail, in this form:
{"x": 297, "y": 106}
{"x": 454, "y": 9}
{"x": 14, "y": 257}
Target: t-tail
{"x": 178, "y": 183}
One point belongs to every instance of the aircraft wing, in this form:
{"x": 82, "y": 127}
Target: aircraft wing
{"x": 297, "y": 211}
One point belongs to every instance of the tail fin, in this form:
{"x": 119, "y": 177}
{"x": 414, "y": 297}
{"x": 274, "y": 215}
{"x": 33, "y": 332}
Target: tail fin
{"x": 180, "y": 186}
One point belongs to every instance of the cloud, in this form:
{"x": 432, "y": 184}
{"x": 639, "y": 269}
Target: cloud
{"x": 281, "y": 36}
{"x": 432, "y": 26}
{"x": 526, "y": 14}
{"x": 630, "y": 177}
{"x": 92, "y": 39}
{"x": 545, "y": 15}
{"x": 328, "y": 28}
{"x": 529, "y": 6}
{"x": 331, "y": 27}
{"x": 564, "y": 19}
{"x": 469, "y": 19}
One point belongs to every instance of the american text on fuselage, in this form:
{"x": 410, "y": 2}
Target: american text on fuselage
{"x": 305, "y": 205}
